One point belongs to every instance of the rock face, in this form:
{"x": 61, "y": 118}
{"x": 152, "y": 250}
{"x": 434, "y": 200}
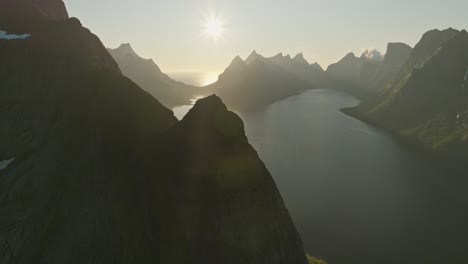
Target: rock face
{"x": 148, "y": 75}
{"x": 33, "y": 9}
{"x": 367, "y": 75}
{"x": 396, "y": 56}
{"x": 255, "y": 83}
{"x": 100, "y": 172}
{"x": 427, "y": 100}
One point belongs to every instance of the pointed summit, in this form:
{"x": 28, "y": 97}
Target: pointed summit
{"x": 236, "y": 64}
{"x": 300, "y": 59}
{"x": 237, "y": 60}
{"x": 125, "y": 49}
{"x": 253, "y": 57}
{"x": 350, "y": 56}
{"x": 317, "y": 67}
{"x": 278, "y": 56}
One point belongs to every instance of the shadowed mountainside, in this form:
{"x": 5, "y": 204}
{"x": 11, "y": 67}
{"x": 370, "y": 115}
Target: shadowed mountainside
{"x": 367, "y": 75}
{"x": 427, "y": 102}
{"x": 95, "y": 170}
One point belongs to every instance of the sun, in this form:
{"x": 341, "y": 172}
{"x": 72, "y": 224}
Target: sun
{"x": 214, "y": 27}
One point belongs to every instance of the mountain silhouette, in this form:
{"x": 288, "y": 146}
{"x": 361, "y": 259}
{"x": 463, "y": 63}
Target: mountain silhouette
{"x": 100, "y": 172}
{"x": 256, "y": 82}
{"x": 367, "y": 75}
{"x": 149, "y": 76}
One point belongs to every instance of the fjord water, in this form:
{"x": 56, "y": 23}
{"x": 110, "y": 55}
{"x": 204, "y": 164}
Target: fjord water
{"x": 355, "y": 194}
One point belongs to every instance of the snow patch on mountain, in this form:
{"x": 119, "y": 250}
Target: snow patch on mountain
{"x": 4, "y": 164}
{"x": 5, "y": 35}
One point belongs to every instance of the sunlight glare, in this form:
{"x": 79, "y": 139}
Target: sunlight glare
{"x": 214, "y": 27}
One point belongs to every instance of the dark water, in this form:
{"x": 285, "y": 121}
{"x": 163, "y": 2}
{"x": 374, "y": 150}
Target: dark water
{"x": 355, "y": 194}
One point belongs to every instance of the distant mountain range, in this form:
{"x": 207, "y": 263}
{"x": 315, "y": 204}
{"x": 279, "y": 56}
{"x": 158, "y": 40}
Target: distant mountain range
{"x": 427, "y": 100}
{"x": 244, "y": 85}
{"x": 256, "y": 82}
{"x": 94, "y": 169}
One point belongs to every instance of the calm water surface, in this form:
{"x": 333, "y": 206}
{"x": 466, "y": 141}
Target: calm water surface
{"x": 355, "y": 194}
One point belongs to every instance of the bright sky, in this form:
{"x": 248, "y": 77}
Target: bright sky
{"x": 172, "y": 32}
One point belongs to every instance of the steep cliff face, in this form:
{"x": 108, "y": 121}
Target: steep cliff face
{"x": 95, "y": 170}
{"x": 397, "y": 55}
{"x": 368, "y": 75}
{"x": 33, "y": 9}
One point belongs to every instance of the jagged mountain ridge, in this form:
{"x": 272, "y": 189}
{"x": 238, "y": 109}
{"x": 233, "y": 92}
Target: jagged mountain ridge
{"x": 369, "y": 74}
{"x": 149, "y": 76}
{"x": 299, "y": 66}
{"x": 255, "y": 83}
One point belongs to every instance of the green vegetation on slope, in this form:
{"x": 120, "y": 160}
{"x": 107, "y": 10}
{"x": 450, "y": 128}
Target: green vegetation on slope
{"x": 314, "y": 260}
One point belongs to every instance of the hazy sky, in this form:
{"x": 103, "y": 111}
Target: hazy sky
{"x": 171, "y": 31}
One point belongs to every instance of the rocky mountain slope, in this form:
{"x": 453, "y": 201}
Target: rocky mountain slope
{"x": 427, "y": 102}
{"x": 367, "y": 75}
{"x": 149, "y": 76}
{"x": 95, "y": 170}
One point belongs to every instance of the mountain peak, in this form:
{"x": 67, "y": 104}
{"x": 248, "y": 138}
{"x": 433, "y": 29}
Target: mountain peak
{"x": 212, "y": 115}
{"x": 372, "y": 55}
{"x": 33, "y": 9}
{"x": 253, "y": 57}
{"x": 125, "y": 49}
{"x": 300, "y": 58}
{"x": 237, "y": 62}
{"x": 279, "y": 55}
{"x": 317, "y": 67}
{"x": 350, "y": 56}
